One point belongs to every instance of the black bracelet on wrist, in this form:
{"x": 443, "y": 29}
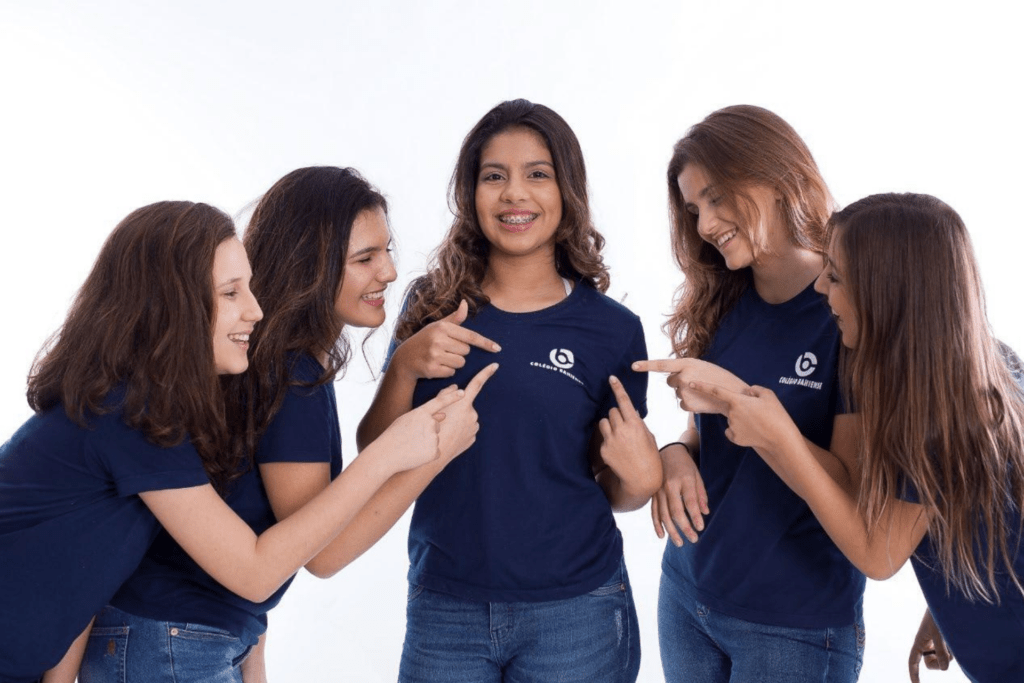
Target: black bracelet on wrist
{"x": 675, "y": 443}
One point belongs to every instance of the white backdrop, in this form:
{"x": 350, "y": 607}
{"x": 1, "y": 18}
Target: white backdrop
{"x": 108, "y": 106}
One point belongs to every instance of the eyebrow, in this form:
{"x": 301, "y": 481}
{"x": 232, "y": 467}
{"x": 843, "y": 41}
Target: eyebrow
{"x": 703, "y": 193}
{"x": 368, "y": 250}
{"x": 229, "y": 282}
{"x": 528, "y": 164}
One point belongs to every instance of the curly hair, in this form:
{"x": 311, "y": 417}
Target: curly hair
{"x": 142, "y": 323}
{"x": 458, "y": 265}
{"x": 738, "y": 147}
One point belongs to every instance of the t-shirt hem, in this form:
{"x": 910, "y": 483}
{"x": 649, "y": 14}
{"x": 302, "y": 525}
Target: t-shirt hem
{"x": 785, "y": 620}
{"x": 465, "y": 591}
{"x": 158, "y": 481}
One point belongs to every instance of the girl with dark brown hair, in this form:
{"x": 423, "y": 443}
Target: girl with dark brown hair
{"x": 319, "y": 243}
{"x": 130, "y": 434}
{"x": 760, "y": 592}
{"x": 939, "y": 476}
{"x": 517, "y": 567}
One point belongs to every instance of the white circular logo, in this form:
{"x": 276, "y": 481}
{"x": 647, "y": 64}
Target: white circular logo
{"x": 562, "y": 358}
{"x": 806, "y": 364}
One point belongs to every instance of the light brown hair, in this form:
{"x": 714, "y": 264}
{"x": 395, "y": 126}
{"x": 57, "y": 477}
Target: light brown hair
{"x": 940, "y": 408}
{"x": 737, "y": 147}
{"x": 142, "y": 324}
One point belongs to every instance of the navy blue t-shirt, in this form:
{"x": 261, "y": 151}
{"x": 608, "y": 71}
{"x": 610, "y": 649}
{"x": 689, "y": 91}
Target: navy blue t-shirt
{"x": 170, "y": 586}
{"x": 987, "y": 640}
{"x": 519, "y": 515}
{"x": 763, "y": 556}
{"x": 72, "y": 527}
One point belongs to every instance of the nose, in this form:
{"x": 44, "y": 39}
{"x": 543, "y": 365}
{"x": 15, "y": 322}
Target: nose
{"x": 388, "y": 273}
{"x": 707, "y": 221}
{"x": 513, "y": 189}
{"x": 253, "y": 312}
{"x": 821, "y": 284}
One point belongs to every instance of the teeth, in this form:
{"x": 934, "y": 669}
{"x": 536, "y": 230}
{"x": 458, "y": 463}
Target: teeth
{"x": 374, "y": 295}
{"x": 725, "y": 238}
{"x": 518, "y": 219}
{"x": 238, "y": 337}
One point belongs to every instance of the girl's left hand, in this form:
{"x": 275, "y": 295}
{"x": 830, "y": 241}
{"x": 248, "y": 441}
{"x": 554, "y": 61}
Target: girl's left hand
{"x": 627, "y": 445}
{"x": 756, "y": 417}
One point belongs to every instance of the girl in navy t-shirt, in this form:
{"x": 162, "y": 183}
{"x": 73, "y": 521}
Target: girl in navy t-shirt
{"x": 130, "y": 424}
{"x": 940, "y": 476}
{"x": 516, "y": 563}
{"x": 752, "y": 587}
{"x": 320, "y": 249}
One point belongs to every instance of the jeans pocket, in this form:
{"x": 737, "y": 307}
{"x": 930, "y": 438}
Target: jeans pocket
{"x": 414, "y": 592}
{"x": 104, "y": 660}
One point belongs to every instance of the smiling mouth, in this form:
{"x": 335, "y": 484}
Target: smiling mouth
{"x": 374, "y": 298}
{"x": 720, "y": 242}
{"x": 240, "y": 339}
{"x": 517, "y": 222}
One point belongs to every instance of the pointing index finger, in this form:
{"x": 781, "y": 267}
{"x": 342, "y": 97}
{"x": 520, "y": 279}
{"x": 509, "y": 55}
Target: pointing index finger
{"x": 477, "y": 383}
{"x": 474, "y": 339}
{"x": 621, "y": 397}
{"x": 663, "y": 365}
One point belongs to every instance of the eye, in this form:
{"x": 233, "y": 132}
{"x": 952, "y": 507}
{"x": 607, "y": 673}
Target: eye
{"x": 543, "y": 175}
{"x": 715, "y": 201}
{"x": 491, "y": 177}
{"x": 232, "y": 294}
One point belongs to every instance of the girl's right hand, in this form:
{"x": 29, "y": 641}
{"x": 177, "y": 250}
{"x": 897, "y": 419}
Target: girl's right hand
{"x": 440, "y": 348}
{"x": 443, "y": 427}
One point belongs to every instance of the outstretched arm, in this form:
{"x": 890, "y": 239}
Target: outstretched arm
{"x": 757, "y": 419}
{"x": 290, "y": 485}
{"x": 255, "y": 566}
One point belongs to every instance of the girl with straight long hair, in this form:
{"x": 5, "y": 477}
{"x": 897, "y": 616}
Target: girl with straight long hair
{"x": 939, "y": 476}
{"x": 517, "y": 567}
{"x": 752, "y": 588}
{"x": 320, "y": 242}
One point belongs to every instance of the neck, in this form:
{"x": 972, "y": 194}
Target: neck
{"x": 780, "y": 277}
{"x": 520, "y": 284}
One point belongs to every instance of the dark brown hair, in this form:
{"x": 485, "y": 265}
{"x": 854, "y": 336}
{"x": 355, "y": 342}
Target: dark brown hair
{"x": 939, "y": 405}
{"x": 142, "y": 323}
{"x": 297, "y": 240}
{"x": 737, "y": 147}
{"x": 459, "y": 263}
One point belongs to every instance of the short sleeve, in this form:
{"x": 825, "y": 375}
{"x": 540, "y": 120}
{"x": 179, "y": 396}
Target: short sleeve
{"x": 635, "y": 383}
{"x": 306, "y": 426}
{"x": 136, "y": 465}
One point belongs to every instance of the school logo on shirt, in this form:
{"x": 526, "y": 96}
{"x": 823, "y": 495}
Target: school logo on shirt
{"x": 806, "y": 364}
{"x": 562, "y": 358}
{"x": 561, "y": 361}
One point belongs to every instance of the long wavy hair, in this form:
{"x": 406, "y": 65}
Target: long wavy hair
{"x": 936, "y": 393}
{"x": 738, "y": 147}
{"x": 297, "y": 240}
{"x": 458, "y": 265}
{"x": 142, "y": 323}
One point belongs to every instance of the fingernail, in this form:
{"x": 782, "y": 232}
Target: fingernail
{"x": 497, "y": 348}
{"x": 635, "y": 366}
{"x": 613, "y": 379}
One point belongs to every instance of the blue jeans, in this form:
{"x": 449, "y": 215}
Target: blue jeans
{"x": 590, "y": 638}
{"x": 124, "y": 648}
{"x": 700, "y": 644}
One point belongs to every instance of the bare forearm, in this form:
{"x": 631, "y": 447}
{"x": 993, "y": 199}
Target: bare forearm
{"x": 376, "y": 518}
{"x": 392, "y": 400}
